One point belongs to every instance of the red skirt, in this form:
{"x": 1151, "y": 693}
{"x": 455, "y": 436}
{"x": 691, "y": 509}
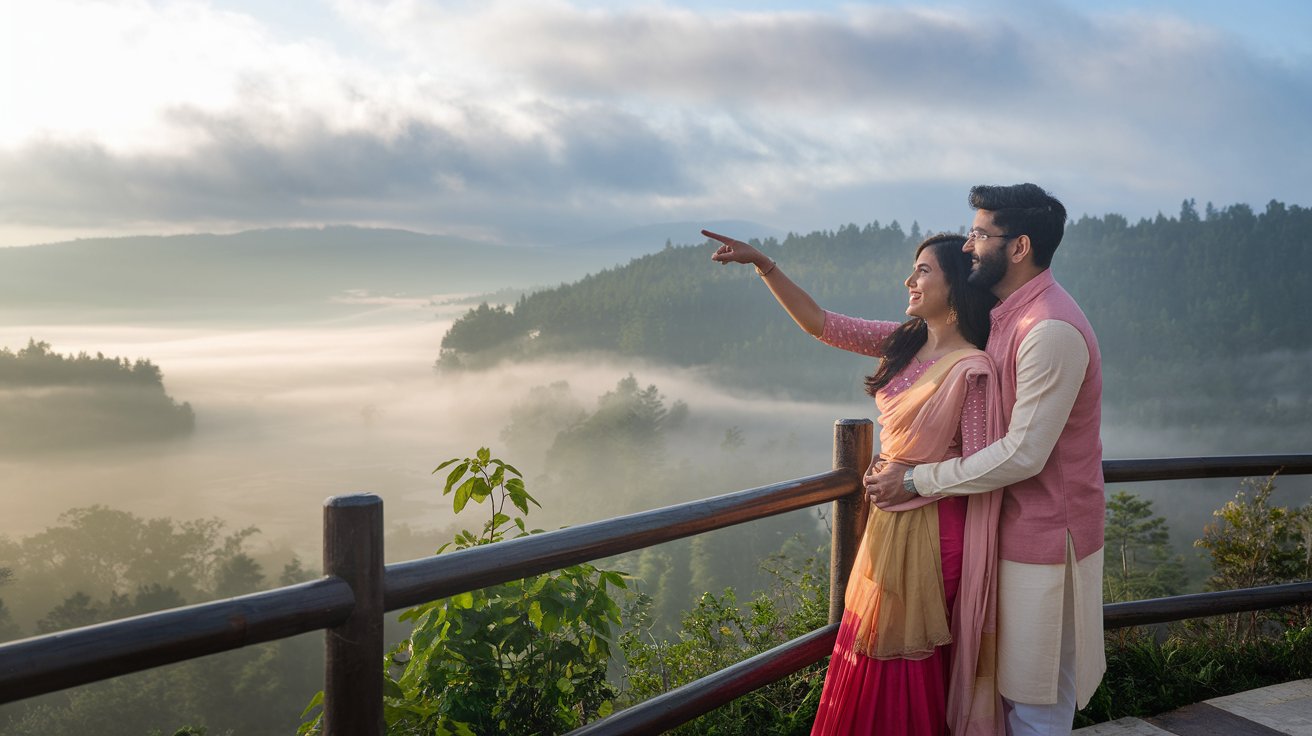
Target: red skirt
{"x": 894, "y": 696}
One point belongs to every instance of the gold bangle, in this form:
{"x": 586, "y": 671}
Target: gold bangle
{"x": 768, "y": 271}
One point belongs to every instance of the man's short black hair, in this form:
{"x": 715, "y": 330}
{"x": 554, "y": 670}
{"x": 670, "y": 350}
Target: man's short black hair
{"x": 1025, "y": 209}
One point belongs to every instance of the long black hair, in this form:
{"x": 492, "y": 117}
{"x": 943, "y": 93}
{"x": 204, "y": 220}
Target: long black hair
{"x": 971, "y": 304}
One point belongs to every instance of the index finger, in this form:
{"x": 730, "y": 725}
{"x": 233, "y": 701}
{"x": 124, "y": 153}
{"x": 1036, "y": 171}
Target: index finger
{"x": 716, "y": 236}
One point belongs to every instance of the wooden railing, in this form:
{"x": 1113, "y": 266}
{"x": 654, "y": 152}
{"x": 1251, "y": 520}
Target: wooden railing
{"x": 357, "y": 589}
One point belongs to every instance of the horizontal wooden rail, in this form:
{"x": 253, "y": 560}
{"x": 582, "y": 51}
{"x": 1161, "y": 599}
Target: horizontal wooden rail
{"x": 417, "y": 581}
{"x": 1186, "y": 468}
{"x": 682, "y": 704}
{"x": 1200, "y": 605}
{"x": 65, "y": 659}
{"x": 44, "y": 664}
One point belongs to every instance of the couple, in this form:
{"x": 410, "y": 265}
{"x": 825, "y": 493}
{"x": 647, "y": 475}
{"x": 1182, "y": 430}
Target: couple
{"x": 974, "y": 605}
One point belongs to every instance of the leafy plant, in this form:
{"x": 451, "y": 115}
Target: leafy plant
{"x": 1140, "y": 562}
{"x": 1254, "y": 542}
{"x": 1146, "y": 676}
{"x": 524, "y": 657}
{"x": 717, "y": 633}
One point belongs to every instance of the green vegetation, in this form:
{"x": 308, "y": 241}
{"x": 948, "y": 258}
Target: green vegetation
{"x": 524, "y": 657}
{"x": 1252, "y": 543}
{"x": 1139, "y": 563}
{"x": 1147, "y": 675}
{"x": 50, "y": 401}
{"x": 719, "y": 632}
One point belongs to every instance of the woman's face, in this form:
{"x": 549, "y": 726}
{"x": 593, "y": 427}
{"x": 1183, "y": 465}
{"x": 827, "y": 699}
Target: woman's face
{"x": 927, "y": 288}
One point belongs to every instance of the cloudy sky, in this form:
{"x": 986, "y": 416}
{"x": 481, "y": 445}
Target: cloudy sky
{"x": 554, "y": 122}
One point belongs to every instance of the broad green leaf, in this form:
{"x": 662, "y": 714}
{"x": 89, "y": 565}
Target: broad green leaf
{"x": 463, "y": 600}
{"x": 484, "y": 455}
{"x": 550, "y": 620}
{"x": 463, "y": 492}
{"x": 448, "y": 462}
{"x": 454, "y": 476}
{"x": 519, "y": 498}
{"x": 480, "y": 490}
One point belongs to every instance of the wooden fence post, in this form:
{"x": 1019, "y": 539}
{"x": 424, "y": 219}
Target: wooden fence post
{"x": 854, "y": 442}
{"x": 353, "y": 662}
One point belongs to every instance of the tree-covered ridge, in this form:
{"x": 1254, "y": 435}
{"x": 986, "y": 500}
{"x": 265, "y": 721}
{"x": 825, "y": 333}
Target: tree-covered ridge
{"x": 677, "y": 306}
{"x": 1166, "y": 296}
{"x": 52, "y": 401}
{"x": 38, "y": 365}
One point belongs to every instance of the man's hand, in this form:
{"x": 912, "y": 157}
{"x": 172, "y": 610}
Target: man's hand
{"x": 884, "y": 485}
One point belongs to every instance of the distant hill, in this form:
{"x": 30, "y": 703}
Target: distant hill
{"x": 260, "y": 266}
{"x": 286, "y": 267}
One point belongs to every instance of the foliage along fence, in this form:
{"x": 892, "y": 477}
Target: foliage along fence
{"x": 357, "y": 589}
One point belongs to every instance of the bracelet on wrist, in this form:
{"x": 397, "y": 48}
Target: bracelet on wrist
{"x": 767, "y": 271}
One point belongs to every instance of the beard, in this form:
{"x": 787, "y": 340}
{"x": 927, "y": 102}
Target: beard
{"x": 990, "y": 269}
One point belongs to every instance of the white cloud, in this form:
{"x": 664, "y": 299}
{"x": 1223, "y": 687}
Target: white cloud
{"x": 522, "y": 120}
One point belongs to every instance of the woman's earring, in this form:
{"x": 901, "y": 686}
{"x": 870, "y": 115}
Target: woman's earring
{"x": 952, "y": 315}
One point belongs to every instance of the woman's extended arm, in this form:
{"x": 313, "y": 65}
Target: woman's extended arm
{"x": 800, "y": 306}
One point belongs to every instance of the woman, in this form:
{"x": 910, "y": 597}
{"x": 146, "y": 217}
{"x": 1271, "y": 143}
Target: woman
{"x": 914, "y": 653}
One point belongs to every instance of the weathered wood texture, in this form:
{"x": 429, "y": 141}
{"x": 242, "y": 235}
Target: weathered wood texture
{"x": 854, "y": 442}
{"x": 44, "y": 664}
{"x": 430, "y": 578}
{"x": 353, "y": 651}
{"x": 1199, "y": 605}
{"x": 1185, "y": 468}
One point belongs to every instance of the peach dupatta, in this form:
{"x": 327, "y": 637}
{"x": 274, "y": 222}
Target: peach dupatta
{"x": 896, "y": 585}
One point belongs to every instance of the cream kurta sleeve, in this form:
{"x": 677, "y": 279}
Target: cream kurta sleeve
{"x": 1050, "y": 366}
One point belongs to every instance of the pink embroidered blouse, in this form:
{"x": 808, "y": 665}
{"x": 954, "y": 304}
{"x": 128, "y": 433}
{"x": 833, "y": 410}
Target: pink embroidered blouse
{"x": 863, "y": 336}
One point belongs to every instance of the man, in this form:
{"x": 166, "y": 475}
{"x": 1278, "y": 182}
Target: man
{"x": 1050, "y": 535}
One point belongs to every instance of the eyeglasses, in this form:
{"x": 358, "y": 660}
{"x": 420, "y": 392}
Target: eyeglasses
{"x": 983, "y": 236}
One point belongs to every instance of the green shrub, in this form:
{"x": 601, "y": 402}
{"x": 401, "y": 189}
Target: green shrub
{"x": 524, "y": 657}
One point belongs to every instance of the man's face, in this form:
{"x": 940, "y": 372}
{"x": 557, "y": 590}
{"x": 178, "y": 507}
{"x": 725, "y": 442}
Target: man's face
{"x": 989, "y": 256}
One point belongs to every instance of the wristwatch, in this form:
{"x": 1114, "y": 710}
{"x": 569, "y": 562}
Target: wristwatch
{"x": 909, "y": 483}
